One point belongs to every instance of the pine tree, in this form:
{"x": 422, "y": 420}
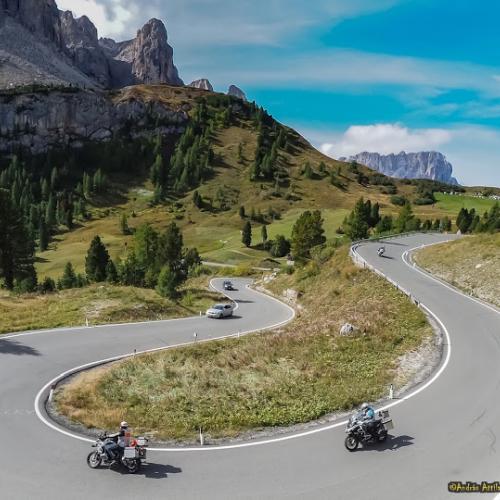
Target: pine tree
{"x": 166, "y": 286}
{"x": 264, "y": 234}
{"x": 68, "y": 279}
{"x": 307, "y": 233}
{"x": 246, "y": 235}
{"x": 87, "y": 185}
{"x": 96, "y": 261}
{"x": 280, "y": 246}
{"x": 50, "y": 212}
{"x": 357, "y": 225}
{"x": 197, "y": 200}
{"x": 405, "y": 219}
{"x": 16, "y": 246}
{"x": 111, "y": 273}
{"x": 242, "y": 212}
{"x": 68, "y": 219}
{"x": 124, "y": 228}
{"x": 43, "y": 235}
{"x": 45, "y": 189}
{"x": 54, "y": 177}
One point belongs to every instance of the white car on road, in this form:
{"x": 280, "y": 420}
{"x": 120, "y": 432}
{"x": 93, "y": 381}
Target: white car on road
{"x": 220, "y": 311}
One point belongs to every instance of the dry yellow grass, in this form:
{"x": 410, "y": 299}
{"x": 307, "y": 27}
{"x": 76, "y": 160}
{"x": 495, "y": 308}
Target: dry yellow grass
{"x": 100, "y": 304}
{"x": 274, "y": 379}
{"x": 471, "y": 263}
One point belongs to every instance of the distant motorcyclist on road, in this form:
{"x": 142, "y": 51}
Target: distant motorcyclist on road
{"x": 381, "y": 251}
{"x": 117, "y": 442}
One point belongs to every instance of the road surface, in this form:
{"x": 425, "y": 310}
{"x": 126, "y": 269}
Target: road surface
{"x": 448, "y": 431}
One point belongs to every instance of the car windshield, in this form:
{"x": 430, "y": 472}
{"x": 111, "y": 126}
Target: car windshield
{"x": 218, "y": 307}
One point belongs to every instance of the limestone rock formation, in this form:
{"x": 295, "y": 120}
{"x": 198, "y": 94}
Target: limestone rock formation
{"x": 202, "y": 84}
{"x": 37, "y": 122}
{"x": 80, "y": 40}
{"x": 424, "y": 165}
{"x": 42, "y": 45}
{"x": 149, "y": 56}
{"x": 236, "y": 92}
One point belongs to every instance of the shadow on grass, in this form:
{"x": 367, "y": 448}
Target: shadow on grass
{"x": 14, "y": 347}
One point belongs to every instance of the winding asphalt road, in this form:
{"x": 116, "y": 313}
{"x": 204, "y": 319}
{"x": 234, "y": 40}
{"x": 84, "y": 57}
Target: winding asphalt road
{"x": 448, "y": 431}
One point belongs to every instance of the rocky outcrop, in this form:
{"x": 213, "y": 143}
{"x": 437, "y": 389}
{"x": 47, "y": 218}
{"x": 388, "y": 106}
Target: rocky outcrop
{"x": 38, "y": 122}
{"x": 39, "y": 17}
{"x": 236, "y": 92}
{"x": 80, "y": 40}
{"x": 202, "y": 84}
{"x": 40, "y": 44}
{"x": 423, "y": 165}
{"x": 149, "y": 56}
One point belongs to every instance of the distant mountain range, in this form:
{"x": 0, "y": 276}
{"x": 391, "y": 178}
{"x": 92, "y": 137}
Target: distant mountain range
{"x": 424, "y": 165}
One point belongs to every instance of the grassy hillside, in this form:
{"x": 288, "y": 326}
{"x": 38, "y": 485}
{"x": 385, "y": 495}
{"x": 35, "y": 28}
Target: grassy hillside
{"x": 100, "y": 304}
{"x": 471, "y": 263}
{"x": 215, "y": 230}
{"x": 297, "y": 374}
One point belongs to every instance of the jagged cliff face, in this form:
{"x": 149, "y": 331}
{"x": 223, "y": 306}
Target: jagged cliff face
{"x": 40, "y": 17}
{"x": 42, "y": 121}
{"x": 423, "y": 165}
{"x": 150, "y": 56}
{"x": 40, "y": 44}
{"x": 80, "y": 40}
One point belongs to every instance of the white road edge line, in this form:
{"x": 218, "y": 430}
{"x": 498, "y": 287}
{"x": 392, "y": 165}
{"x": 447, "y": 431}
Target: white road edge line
{"x": 440, "y": 371}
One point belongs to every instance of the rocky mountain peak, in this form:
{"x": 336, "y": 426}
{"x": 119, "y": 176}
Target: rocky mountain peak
{"x": 150, "y": 55}
{"x": 39, "y": 43}
{"x": 421, "y": 165}
{"x": 80, "y": 40}
{"x": 237, "y": 92}
{"x": 202, "y": 84}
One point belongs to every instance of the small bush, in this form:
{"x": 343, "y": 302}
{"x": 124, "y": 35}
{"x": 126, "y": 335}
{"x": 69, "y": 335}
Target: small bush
{"x": 399, "y": 201}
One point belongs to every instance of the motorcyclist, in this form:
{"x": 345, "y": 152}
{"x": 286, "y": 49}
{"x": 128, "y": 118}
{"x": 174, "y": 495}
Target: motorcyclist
{"x": 381, "y": 251}
{"x": 367, "y": 418}
{"x": 117, "y": 442}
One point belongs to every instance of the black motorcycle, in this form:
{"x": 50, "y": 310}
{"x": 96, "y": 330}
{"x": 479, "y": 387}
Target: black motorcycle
{"x": 367, "y": 433}
{"x": 130, "y": 457}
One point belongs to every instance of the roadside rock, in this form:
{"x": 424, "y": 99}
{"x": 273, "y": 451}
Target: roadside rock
{"x": 347, "y": 330}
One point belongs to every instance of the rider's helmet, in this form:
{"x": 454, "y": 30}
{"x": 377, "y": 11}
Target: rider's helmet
{"x": 124, "y": 425}
{"x": 364, "y": 406}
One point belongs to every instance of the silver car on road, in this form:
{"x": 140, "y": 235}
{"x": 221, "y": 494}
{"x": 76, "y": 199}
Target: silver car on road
{"x": 220, "y": 311}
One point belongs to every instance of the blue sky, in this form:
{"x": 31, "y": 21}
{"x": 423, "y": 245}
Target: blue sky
{"x": 351, "y": 75}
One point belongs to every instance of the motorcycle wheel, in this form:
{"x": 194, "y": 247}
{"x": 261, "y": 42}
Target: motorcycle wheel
{"x": 351, "y": 443}
{"x": 133, "y": 466}
{"x": 94, "y": 460}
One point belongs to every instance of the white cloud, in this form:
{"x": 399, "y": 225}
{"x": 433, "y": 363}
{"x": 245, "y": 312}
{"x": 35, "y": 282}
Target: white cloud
{"x": 385, "y": 138}
{"x": 111, "y": 20}
{"x": 342, "y": 68}
{"x": 221, "y": 22}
